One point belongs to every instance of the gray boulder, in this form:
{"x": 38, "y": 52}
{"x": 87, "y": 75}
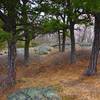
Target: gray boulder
{"x": 43, "y": 49}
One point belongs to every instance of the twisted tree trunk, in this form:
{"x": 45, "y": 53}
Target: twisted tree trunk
{"x": 26, "y": 50}
{"x": 73, "y": 51}
{"x": 59, "y": 40}
{"x": 11, "y": 28}
{"x": 11, "y": 61}
{"x": 92, "y": 69}
{"x": 63, "y": 40}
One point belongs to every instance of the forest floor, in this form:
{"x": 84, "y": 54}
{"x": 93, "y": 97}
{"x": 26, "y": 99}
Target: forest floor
{"x": 55, "y": 70}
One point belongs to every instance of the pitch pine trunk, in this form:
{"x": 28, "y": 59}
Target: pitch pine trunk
{"x": 26, "y": 51}
{"x": 63, "y": 40}
{"x": 11, "y": 62}
{"x": 27, "y": 37}
{"x": 92, "y": 69}
{"x": 73, "y": 51}
{"x": 12, "y": 41}
{"x": 59, "y": 40}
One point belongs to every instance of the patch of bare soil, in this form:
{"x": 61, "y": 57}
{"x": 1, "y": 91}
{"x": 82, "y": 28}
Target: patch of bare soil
{"x": 55, "y": 70}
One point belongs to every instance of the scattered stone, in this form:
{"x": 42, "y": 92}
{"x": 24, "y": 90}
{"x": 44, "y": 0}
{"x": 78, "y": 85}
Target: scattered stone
{"x": 43, "y": 49}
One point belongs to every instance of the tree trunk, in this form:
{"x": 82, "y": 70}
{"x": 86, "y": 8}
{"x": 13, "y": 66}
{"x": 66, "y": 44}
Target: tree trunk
{"x": 73, "y": 51}
{"x": 12, "y": 42}
{"x": 10, "y": 26}
{"x": 92, "y": 69}
{"x": 11, "y": 62}
{"x": 59, "y": 39}
{"x": 63, "y": 40}
{"x": 27, "y": 37}
{"x": 26, "y": 51}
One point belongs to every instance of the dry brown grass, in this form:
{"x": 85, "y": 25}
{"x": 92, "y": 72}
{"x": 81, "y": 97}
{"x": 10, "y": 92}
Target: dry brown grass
{"x": 55, "y": 70}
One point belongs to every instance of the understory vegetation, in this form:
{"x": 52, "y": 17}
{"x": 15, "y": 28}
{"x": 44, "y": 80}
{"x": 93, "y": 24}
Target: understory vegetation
{"x": 52, "y": 43}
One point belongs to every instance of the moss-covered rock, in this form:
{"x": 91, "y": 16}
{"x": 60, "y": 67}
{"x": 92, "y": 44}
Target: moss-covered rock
{"x": 35, "y": 94}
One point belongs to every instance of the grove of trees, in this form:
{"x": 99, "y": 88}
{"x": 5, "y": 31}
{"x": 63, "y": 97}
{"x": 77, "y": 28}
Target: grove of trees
{"x": 23, "y": 20}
